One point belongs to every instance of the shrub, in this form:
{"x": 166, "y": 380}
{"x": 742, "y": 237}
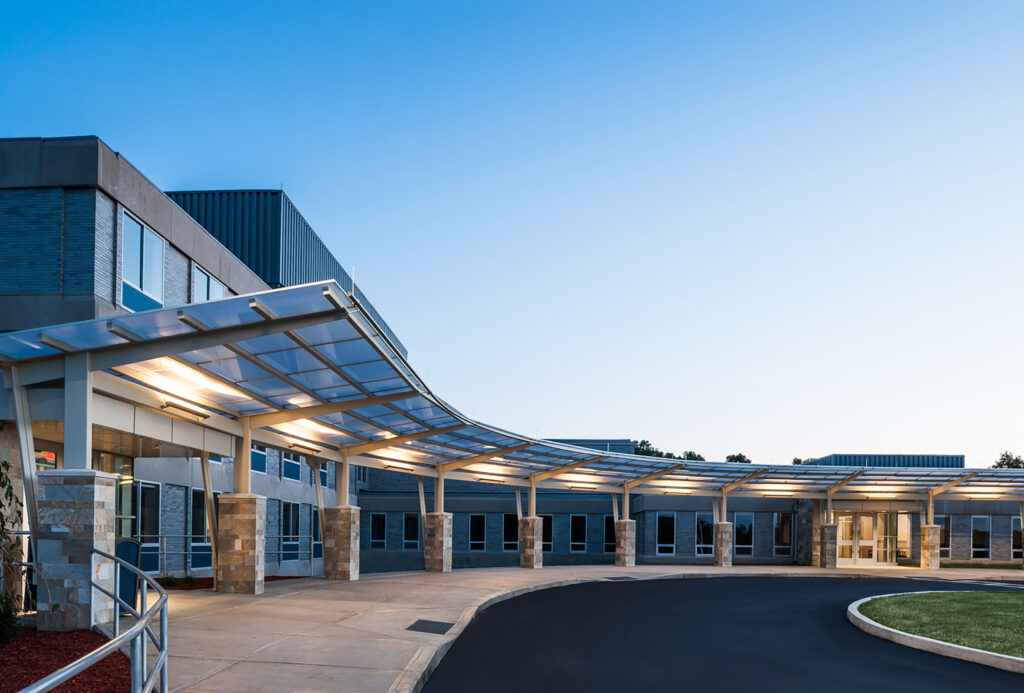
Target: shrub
{"x": 8, "y": 615}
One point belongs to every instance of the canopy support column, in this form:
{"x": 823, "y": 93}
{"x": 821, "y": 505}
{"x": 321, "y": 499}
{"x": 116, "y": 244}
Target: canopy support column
{"x": 241, "y": 526}
{"x": 211, "y": 509}
{"x": 723, "y": 533}
{"x": 625, "y": 534}
{"x": 531, "y": 532}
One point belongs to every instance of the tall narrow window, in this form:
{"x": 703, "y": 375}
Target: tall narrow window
{"x": 199, "y": 541}
{"x": 142, "y": 266}
{"x": 981, "y": 536}
{"x": 323, "y": 474}
{"x": 411, "y": 531}
{"x": 205, "y": 287}
{"x": 258, "y": 459}
{"x": 943, "y": 522}
{"x": 609, "y": 534}
{"x": 547, "y": 532}
{"x": 1016, "y": 549}
{"x": 665, "y": 534}
{"x": 477, "y": 532}
{"x": 318, "y": 541}
{"x": 146, "y": 525}
{"x": 289, "y": 531}
{"x": 577, "y": 533}
{"x": 743, "y": 533}
{"x": 783, "y": 534}
{"x": 510, "y": 532}
{"x": 291, "y": 466}
{"x": 705, "y": 534}
{"x": 378, "y": 530}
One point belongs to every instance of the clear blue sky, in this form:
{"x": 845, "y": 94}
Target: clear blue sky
{"x": 783, "y": 229}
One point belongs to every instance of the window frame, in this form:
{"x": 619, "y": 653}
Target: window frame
{"x": 257, "y": 449}
{"x": 703, "y": 549}
{"x": 735, "y": 536}
{"x": 506, "y": 545}
{"x": 407, "y": 543}
{"x": 289, "y": 554}
{"x": 381, "y": 543}
{"x": 988, "y": 548}
{"x": 315, "y": 532}
{"x": 1016, "y": 552}
{"x": 577, "y": 546}
{"x": 547, "y": 529}
{"x": 144, "y": 230}
{"x": 291, "y": 458}
{"x": 609, "y": 520}
{"x": 659, "y": 547}
{"x": 786, "y": 549}
{"x": 945, "y": 543}
{"x": 477, "y": 544}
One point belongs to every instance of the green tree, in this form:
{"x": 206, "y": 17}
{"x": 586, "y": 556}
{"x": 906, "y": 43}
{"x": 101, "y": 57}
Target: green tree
{"x": 644, "y": 447}
{"x": 693, "y": 456}
{"x": 798, "y": 460}
{"x": 10, "y": 551}
{"x": 1009, "y": 461}
{"x": 738, "y": 457}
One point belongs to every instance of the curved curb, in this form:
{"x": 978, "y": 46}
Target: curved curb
{"x": 919, "y": 642}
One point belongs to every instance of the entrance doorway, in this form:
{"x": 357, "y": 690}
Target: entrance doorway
{"x": 867, "y": 539}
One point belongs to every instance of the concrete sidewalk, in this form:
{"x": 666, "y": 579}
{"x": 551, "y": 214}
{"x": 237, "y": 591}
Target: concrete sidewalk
{"x": 315, "y": 635}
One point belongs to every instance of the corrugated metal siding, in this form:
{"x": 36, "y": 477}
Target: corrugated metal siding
{"x": 247, "y": 222}
{"x": 268, "y": 233}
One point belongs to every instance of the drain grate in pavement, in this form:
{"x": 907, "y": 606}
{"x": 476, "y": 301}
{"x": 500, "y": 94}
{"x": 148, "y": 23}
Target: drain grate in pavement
{"x": 620, "y": 577}
{"x": 425, "y": 626}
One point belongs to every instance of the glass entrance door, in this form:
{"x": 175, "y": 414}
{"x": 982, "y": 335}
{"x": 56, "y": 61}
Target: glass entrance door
{"x": 866, "y": 539}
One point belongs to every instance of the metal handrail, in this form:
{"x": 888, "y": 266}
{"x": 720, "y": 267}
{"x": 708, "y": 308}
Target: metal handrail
{"x": 143, "y": 679}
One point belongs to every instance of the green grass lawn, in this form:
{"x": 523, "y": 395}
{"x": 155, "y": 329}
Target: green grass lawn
{"x": 992, "y": 621}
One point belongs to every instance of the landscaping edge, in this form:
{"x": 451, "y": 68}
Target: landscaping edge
{"x": 919, "y": 642}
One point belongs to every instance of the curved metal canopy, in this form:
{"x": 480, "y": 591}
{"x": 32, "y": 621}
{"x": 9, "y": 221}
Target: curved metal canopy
{"x": 308, "y": 363}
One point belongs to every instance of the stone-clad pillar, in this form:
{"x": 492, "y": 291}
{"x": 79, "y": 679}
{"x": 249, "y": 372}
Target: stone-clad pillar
{"x": 723, "y": 544}
{"x": 531, "y": 542}
{"x": 930, "y": 538}
{"x": 341, "y": 542}
{"x": 625, "y": 543}
{"x": 241, "y": 532}
{"x": 829, "y": 546}
{"x": 76, "y": 514}
{"x": 437, "y": 544}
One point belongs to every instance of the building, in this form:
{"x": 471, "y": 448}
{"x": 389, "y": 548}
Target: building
{"x": 87, "y": 239}
{"x": 848, "y": 460}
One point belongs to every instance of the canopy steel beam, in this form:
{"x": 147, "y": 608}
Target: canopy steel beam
{"x": 843, "y": 482}
{"x": 942, "y": 488}
{"x": 279, "y": 417}
{"x": 459, "y": 464}
{"x": 724, "y": 490}
{"x": 370, "y": 446}
{"x": 652, "y": 476}
{"x": 542, "y": 476}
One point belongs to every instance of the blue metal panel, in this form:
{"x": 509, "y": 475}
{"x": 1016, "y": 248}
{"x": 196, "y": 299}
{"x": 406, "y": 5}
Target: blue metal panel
{"x": 931, "y": 461}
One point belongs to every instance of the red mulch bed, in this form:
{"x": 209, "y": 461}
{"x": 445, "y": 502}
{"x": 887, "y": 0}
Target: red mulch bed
{"x": 33, "y": 654}
{"x": 206, "y": 583}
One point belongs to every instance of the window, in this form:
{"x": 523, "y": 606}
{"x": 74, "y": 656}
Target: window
{"x": 146, "y": 525}
{"x": 323, "y": 475}
{"x": 205, "y": 287}
{"x": 743, "y": 533}
{"x": 705, "y": 535}
{"x": 510, "y": 532}
{"x": 291, "y": 466}
{"x": 289, "y": 531}
{"x": 609, "y": 534}
{"x": 943, "y": 522}
{"x": 547, "y": 533}
{"x": 378, "y": 530}
{"x": 201, "y": 552}
{"x": 258, "y": 459}
{"x": 361, "y": 474}
{"x": 981, "y": 536}
{"x": 783, "y": 534}
{"x": 577, "y": 533}
{"x": 477, "y": 532}
{"x": 411, "y": 531}
{"x": 142, "y": 267}
{"x": 665, "y": 531}
{"x": 318, "y": 541}
{"x": 1016, "y": 549}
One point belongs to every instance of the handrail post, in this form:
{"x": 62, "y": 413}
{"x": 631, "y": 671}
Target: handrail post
{"x": 136, "y": 663}
{"x": 142, "y": 612}
{"x": 117, "y": 599}
{"x": 163, "y": 647}
{"x": 163, "y": 555}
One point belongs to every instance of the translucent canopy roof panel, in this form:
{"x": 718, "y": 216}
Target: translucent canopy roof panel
{"x": 314, "y": 348}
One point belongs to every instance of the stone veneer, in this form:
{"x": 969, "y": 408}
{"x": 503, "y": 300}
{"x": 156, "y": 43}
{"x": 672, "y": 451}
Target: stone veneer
{"x": 241, "y": 523}
{"x": 531, "y": 542}
{"x": 76, "y": 514}
{"x": 625, "y": 543}
{"x": 930, "y": 538}
{"x": 437, "y": 542}
{"x": 341, "y": 542}
{"x": 829, "y": 546}
{"x": 723, "y": 544}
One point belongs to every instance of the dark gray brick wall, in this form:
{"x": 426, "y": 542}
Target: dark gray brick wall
{"x": 173, "y": 517}
{"x": 176, "y": 278}
{"x": 106, "y": 261}
{"x": 79, "y": 241}
{"x": 31, "y": 226}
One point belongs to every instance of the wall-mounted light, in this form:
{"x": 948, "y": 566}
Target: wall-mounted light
{"x": 185, "y": 407}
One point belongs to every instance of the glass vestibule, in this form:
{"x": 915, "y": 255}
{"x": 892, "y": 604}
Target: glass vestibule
{"x": 872, "y": 538}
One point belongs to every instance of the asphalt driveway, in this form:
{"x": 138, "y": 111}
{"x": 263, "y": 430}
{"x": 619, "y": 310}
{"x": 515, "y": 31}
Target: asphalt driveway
{"x": 720, "y": 634}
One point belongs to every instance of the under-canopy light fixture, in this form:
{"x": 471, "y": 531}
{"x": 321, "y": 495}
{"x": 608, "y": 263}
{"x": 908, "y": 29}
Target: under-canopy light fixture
{"x": 187, "y": 408}
{"x": 391, "y": 464}
{"x": 984, "y": 496}
{"x": 882, "y": 495}
{"x": 306, "y": 448}
{"x": 583, "y": 487}
{"x": 776, "y": 493}
{"x": 678, "y": 491}
{"x": 490, "y": 477}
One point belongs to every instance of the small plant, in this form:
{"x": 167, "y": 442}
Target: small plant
{"x": 8, "y": 615}
{"x": 169, "y": 581}
{"x": 189, "y": 580}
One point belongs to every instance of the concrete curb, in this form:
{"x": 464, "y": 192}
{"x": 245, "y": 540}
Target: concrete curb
{"x": 919, "y": 642}
{"x": 415, "y": 674}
